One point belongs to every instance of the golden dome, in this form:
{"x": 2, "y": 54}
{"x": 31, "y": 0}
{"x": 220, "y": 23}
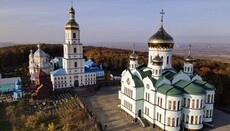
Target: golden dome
{"x": 161, "y": 39}
{"x": 72, "y": 24}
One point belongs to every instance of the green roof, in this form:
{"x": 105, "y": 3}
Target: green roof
{"x": 141, "y": 66}
{"x": 145, "y": 73}
{"x": 169, "y": 90}
{"x": 137, "y": 81}
{"x": 189, "y": 88}
{"x": 169, "y": 75}
{"x": 204, "y": 84}
{"x": 153, "y": 80}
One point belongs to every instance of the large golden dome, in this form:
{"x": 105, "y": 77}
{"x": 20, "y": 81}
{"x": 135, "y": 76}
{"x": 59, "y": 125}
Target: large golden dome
{"x": 161, "y": 39}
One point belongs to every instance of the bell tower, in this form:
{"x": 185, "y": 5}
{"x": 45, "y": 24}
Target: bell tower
{"x": 73, "y": 61}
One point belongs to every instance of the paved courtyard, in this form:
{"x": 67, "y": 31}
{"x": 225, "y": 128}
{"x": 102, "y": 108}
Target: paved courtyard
{"x": 104, "y": 105}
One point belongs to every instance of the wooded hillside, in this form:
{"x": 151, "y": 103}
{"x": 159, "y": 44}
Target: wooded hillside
{"x": 14, "y": 62}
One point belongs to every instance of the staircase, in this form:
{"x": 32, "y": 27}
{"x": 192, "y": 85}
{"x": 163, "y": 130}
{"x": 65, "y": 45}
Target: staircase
{"x": 143, "y": 121}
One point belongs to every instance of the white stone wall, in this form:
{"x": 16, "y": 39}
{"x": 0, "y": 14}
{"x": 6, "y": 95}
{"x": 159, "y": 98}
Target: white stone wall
{"x": 163, "y": 53}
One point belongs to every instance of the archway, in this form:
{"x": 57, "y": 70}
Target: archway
{"x": 76, "y": 83}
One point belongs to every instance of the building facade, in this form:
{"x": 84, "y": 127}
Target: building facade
{"x": 73, "y": 73}
{"x": 39, "y": 59}
{"x": 91, "y": 66}
{"x": 167, "y": 98}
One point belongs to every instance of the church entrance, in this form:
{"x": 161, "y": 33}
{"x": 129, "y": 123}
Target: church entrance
{"x": 76, "y": 83}
{"x": 139, "y": 113}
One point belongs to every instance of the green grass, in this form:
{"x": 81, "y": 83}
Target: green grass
{"x": 5, "y": 124}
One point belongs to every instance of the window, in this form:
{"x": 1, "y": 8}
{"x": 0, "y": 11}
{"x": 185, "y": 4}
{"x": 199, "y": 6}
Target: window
{"x": 157, "y": 116}
{"x": 188, "y": 104}
{"x": 156, "y": 72}
{"x": 147, "y": 111}
{"x": 173, "y": 121}
{"x": 74, "y": 35}
{"x": 160, "y": 118}
{"x": 147, "y": 96}
{"x": 161, "y": 102}
{"x": 210, "y": 113}
{"x": 158, "y": 99}
{"x": 169, "y": 121}
{"x": 201, "y": 102}
{"x": 197, "y": 103}
{"x": 208, "y": 98}
{"x": 75, "y": 64}
{"x": 184, "y": 102}
{"x": 177, "y": 121}
{"x": 167, "y": 59}
{"x": 169, "y": 106}
{"x": 195, "y": 119}
{"x": 187, "y": 119}
{"x": 174, "y": 105}
{"x": 74, "y": 50}
{"x": 193, "y": 103}
{"x": 200, "y": 120}
{"x": 207, "y": 113}
{"x": 191, "y": 119}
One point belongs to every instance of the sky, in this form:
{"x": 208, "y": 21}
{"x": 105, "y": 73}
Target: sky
{"x": 115, "y": 21}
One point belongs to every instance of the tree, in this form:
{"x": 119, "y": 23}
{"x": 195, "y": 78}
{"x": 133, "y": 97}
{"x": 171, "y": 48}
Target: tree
{"x": 51, "y": 127}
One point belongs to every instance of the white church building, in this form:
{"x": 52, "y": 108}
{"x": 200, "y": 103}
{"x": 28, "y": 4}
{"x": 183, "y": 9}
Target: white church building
{"x": 165, "y": 97}
{"x": 39, "y": 59}
{"x": 73, "y": 73}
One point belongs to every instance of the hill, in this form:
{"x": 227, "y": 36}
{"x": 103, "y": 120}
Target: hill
{"x": 14, "y": 62}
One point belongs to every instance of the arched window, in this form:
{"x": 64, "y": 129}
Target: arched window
{"x": 177, "y": 121}
{"x": 207, "y": 113}
{"x": 184, "y": 102}
{"x": 170, "y": 104}
{"x": 74, "y": 35}
{"x": 188, "y": 104}
{"x": 188, "y": 69}
{"x": 75, "y": 64}
{"x": 195, "y": 119}
{"x": 173, "y": 121}
{"x": 187, "y": 119}
{"x": 174, "y": 105}
{"x": 197, "y": 103}
{"x": 191, "y": 119}
{"x": 156, "y": 72}
{"x": 201, "y": 103}
{"x": 74, "y": 50}
{"x": 200, "y": 120}
{"x": 208, "y": 98}
{"x": 169, "y": 121}
{"x": 193, "y": 103}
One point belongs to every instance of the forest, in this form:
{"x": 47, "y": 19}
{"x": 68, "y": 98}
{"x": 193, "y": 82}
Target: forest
{"x": 14, "y": 62}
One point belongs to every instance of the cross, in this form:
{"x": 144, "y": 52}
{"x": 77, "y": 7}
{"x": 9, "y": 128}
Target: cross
{"x": 134, "y": 47}
{"x": 162, "y": 13}
{"x": 189, "y": 48}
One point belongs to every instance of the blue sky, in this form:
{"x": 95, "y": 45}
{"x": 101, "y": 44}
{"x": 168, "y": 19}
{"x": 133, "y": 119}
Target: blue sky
{"x": 115, "y": 21}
